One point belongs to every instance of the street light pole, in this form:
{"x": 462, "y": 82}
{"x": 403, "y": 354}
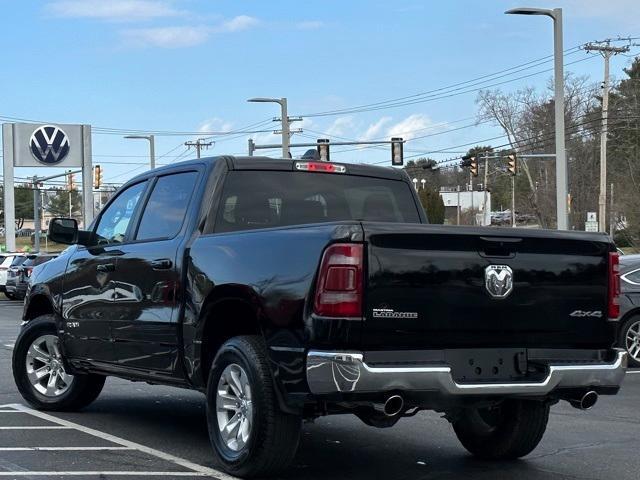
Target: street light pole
{"x": 284, "y": 118}
{"x": 562, "y": 188}
{"x": 152, "y": 147}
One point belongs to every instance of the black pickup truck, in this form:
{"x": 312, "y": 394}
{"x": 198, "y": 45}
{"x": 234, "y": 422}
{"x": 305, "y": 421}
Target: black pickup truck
{"x": 290, "y": 289}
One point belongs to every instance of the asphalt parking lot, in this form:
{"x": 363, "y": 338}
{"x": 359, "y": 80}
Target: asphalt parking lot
{"x": 135, "y": 430}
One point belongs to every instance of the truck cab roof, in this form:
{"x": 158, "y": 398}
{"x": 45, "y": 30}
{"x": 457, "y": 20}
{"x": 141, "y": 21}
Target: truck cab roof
{"x": 268, "y": 163}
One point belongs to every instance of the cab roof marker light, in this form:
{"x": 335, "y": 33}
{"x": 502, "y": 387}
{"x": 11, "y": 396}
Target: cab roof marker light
{"x": 324, "y": 167}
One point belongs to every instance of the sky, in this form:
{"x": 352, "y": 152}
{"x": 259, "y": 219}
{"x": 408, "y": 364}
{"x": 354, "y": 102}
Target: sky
{"x": 188, "y": 67}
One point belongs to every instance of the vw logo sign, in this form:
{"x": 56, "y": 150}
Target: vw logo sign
{"x": 498, "y": 280}
{"x": 49, "y": 144}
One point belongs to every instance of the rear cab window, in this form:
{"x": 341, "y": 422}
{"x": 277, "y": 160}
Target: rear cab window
{"x": 265, "y": 199}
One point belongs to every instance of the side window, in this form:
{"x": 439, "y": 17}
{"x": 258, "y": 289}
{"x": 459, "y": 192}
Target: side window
{"x": 167, "y": 206}
{"x": 633, "y": 277}
{"x": 115, "y": 219}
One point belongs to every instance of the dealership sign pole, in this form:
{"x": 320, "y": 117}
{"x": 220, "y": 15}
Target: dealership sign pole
{"x": 44, "y": 145}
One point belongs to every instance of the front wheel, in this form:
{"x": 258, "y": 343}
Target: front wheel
{"x": 505, "y": 432}
{"x": 40, "y": 372}
{"x": 249, "y": 433}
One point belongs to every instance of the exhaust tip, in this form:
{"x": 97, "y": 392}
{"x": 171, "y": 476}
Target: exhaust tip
{"x": 393, "y": 406}
{"x": 585, "y": 402}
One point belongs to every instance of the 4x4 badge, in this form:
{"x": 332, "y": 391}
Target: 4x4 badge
{"x": 498, "y": 280}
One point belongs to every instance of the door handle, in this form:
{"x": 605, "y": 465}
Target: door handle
{"x": 161, "y": 264}
{"x": 106, "y": 267}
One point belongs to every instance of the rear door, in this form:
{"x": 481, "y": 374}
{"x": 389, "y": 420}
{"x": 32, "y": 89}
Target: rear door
{"x": 147, "y": 278}
{"x": 88, "y": 289}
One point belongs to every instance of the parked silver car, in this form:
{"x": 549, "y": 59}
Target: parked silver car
{"x": 629, "y": 333}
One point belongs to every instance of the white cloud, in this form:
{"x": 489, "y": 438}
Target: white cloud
{"x": 340, "y": 127}
{"x": 373, "y": 131}
{"x": 165, "y": 37}
{"x": 410, "y": 127}
{"x": 236, "y": 24}
{"x": 182, "y": 36}
{"x": 215, "y": 125}
{"x": 115, "y": 10}
{"x": 309, "y": 25}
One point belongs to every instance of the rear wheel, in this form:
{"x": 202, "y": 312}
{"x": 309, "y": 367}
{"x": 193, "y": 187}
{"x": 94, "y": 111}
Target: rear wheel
{"x": 630, "y": 340}
{"x": 508, "y": 431}
{"x": 40, "y": 372}
{"x": 10, "y": 296}
{"x": 249, "y": 433}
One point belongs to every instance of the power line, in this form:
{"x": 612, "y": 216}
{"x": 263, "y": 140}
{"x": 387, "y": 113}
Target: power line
{"x": 517, "y": 144}
{"x": 123, "y": 131}
{"x": 411, "y": 99}
{"x": 516, "y": 68}
{"x": 587, "y": 90}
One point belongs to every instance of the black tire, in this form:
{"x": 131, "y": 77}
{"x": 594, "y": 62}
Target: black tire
{"x": 274, "y": 435}
{"x": 622, "y": 339}
{"x": 83, "y": 389}
{"x": 510, "y": 431}
{"x": 10, "y": 296}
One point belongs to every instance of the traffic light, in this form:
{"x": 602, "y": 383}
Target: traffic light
{"x": 470, "y": 161}
{"x": 474, "y": 166}
{"x": 512, "y": 163}
{"x": 397, "y": 151}
{"x": 323, "y": 149}
{"x": 97, "y": 177}
{"x": 71, "y": 184}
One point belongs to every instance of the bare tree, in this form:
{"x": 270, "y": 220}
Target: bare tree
{"x": 527, "y": 118}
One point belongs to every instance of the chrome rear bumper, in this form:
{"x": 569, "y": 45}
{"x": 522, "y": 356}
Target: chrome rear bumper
{"x": 333, "y": 372}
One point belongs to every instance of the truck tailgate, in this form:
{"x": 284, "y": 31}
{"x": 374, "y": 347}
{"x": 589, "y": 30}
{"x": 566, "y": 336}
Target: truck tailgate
{"x": 426, "y": 288}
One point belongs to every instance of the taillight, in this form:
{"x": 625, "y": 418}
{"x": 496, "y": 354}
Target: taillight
{"x": 614, "y": 285}
{"x": 339, "y": 289}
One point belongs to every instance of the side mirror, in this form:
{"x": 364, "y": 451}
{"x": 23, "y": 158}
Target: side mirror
{"x": 63, "y": 230}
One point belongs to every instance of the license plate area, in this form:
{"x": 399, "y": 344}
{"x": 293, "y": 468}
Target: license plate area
{"x": 487, "y": 365}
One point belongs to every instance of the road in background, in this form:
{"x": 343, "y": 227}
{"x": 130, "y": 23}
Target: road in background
{"x": 598, "y": 444}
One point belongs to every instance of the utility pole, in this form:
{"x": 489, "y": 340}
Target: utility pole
{"x": 37, "y": 226}
{"x": 612, "y": 217}
{"x": 198, "y": 144}
{"x": 458, "y": 209}
{"x": 285, "y": 120}
{"x": 607, "y": 51}
{"x": 486, "y": 179}
{"x": 513, "y": 201}
{"x": 473, "y": 214}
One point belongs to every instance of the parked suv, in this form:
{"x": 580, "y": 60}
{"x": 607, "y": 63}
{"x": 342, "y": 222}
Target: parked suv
{"x": 18, "y": 276}
{"x": 12, "y": 274}
{"x": 290, "y": 289}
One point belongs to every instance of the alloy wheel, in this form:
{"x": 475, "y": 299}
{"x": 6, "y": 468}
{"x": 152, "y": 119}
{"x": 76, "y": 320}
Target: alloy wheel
{"x": 234, "y": 407}
{"x": 45, "y": 368}
{"x": 633, "y": 340}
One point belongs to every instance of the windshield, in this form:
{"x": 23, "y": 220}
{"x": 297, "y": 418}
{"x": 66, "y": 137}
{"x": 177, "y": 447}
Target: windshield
{"x": 30, "y": 261}
{"x": 274, "y": 198}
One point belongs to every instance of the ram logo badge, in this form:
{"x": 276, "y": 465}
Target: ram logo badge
{"x": 498, "y": 280}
